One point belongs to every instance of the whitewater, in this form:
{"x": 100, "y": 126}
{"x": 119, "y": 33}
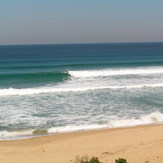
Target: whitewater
{"x": 97, "y": 76}
{"x": 68, "y": 88}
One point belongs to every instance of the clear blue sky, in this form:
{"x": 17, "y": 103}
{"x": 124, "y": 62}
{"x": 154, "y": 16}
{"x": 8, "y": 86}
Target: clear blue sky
{"x": 80, "y": 21}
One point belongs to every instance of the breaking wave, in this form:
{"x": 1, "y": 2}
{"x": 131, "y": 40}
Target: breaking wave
{"x": 39, "y": 90}
{"x": 152, "y": 118}
{"x": 34, "y": 77}
{"x": 113, "y": 72}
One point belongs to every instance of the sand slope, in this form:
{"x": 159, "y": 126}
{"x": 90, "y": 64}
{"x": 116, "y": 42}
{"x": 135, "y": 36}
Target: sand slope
{"x": 141, "y": 144}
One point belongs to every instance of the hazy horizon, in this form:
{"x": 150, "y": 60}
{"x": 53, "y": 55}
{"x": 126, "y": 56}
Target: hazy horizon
{"x": 80, "y": 43}
{"x": 75, "y": 22}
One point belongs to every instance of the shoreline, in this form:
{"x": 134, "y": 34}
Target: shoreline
{"x": 136, "y": 144}
{"x": 37, "y": 133}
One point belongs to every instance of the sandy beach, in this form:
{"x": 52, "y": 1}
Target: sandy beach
{"x": 140, "y": 144}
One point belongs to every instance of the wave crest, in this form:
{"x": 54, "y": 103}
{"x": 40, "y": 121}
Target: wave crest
{"x": 113, "y": 72}
{"x": 39, "y": 90}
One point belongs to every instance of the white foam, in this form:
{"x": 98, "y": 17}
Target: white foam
{"x": 113, "y": 72}
{"x": 11, "y": 135}
{"x": 152, "y": 118}
{"x": 39, "y": 90}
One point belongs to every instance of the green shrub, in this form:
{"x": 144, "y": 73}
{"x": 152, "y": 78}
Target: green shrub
{"x": 121, "y": 160}
{"x": 93, "y": 160}
{"x": 85, "y": 159}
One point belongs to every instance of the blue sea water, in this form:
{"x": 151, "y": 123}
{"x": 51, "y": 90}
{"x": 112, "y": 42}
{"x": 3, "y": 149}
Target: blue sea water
{"x": 49, "y": 89}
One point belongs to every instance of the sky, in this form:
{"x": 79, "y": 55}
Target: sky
{"x": 80, "y": 21}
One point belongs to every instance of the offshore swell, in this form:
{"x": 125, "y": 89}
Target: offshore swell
{"x": 79, "y": 87}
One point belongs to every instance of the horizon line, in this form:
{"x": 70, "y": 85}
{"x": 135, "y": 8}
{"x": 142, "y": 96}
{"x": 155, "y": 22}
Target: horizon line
{"x": 80, "y": 43}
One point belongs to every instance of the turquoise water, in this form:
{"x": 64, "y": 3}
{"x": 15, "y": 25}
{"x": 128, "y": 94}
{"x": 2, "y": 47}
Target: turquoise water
{"x": 63, "y": 88}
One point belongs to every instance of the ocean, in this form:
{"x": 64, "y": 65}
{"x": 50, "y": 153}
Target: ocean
{"x": 52, "y": 89}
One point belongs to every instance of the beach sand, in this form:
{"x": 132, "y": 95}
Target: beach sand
{"x": 142, "y": 144}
